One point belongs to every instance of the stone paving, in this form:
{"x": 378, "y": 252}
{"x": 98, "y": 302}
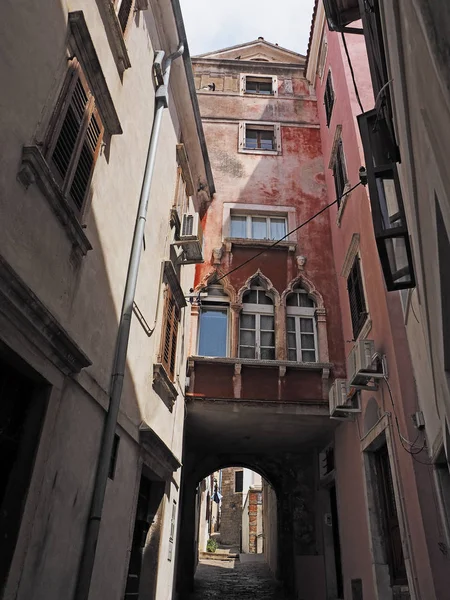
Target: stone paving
{"x": 247, "y": 579}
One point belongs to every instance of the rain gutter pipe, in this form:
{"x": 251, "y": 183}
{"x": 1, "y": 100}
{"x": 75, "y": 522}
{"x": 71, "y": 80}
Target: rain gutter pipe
{"x": 161, "y": 70}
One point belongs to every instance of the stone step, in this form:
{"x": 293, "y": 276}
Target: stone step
{"x": 218, "y": 556}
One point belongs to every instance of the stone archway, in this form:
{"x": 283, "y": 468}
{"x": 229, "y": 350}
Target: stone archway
{"x": 293, "y": 478}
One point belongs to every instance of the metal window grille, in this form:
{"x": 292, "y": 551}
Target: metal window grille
{"x": 328, "y": 99}
{"x": 356, "y": 297}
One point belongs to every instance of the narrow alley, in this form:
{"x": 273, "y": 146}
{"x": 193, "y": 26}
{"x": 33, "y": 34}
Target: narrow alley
{"x": 249, "y": 577}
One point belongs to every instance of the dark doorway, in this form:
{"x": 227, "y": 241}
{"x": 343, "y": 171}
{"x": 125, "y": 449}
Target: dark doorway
{"x": 22, "y": 408}
{"x": 389, "y": 519}
{"x": 336, "y": 542}
{"x": 144, "y": 554}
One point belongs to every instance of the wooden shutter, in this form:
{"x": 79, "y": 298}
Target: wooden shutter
{"x": 90, "y": 148}
{"x": 340, "y": 178}
{"x": 124, "y": 13}
{"x": 75, "y": 138}
{"x": 329, "y": 97}
{"x": 169, "y": 334}
{"x": 356, "y": 297}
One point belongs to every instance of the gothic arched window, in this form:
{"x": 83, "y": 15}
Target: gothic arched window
{"x": 301, "y": 327}
{"x": 213, "y": 326}
{"x": 257, "y": 325}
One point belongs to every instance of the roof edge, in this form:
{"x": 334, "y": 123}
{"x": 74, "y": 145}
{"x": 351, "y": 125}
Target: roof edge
{"x": 192, "y": 92}
{"x": 246, "y": 45}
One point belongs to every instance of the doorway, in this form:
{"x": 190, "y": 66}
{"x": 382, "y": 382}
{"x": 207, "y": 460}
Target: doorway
{"x": 23, "y": 402}
{"x": 336, "y": 542}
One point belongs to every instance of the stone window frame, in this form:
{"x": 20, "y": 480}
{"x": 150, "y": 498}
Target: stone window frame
{"x": 34, "y": 167}
{"x": 255, "y": 124}
{"x": 256, "y": 76}
{"x": 338, "y": 149}
{"x": 382, "y": 433}
{"x": 353, "y": 252}
{"x": 320, "y": 315}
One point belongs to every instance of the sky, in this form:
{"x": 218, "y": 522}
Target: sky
{"x": 212, "y": 24}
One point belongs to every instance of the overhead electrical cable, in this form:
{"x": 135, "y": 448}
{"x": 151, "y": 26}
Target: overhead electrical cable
{"x": 344, "y": 41}
{"x": 252, "y": 258}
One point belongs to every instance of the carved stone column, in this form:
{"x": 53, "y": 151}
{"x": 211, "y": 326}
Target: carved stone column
{"x": 322, "y": 335}
{"x": 280, "y": 332}
{"x": 234, "y": 329}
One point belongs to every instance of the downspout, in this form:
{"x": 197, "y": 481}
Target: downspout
{"x": 101, "y": 479}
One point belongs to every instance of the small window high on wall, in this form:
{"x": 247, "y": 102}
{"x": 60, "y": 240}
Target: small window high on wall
{"x": 213, "y": 323}
{"x": 257, "y": 227}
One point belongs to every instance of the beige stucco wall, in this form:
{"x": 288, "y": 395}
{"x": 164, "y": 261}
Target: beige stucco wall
{"x": 422, "y": 113}
{"x": 85, "y": 297}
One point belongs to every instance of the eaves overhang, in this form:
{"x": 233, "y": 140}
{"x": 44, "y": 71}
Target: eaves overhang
{"x": 193, "y": 92}
{"x": 341, "y": 13}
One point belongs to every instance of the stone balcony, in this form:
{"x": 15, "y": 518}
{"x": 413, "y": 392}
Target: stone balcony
{"x": 258, "y": 380}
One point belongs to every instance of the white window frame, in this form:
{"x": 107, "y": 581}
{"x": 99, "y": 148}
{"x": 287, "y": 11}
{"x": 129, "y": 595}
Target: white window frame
{"x": 301, "y": 312}
{"x": 259, "y": 125}
{"x": 258, "y": 77}
{"x": 258, "y": 311}
{"x": 251, "y": 216}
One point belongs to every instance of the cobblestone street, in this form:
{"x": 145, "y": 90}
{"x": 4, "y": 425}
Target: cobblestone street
{"x": 249, "y": 579}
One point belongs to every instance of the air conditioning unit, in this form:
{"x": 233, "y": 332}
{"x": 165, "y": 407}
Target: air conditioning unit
{"x": 362, "y": 366}
{"x": 191, "y": 238}
{"x": 343, "y": 405}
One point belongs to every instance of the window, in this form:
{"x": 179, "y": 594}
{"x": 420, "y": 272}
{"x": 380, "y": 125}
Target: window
{"x": 339, "y": 172}
{"x": 322, "y": 57}
{"x": 123, "y": 10}
{"x": 328, "y": 98}
{"x": 257, "y": 325}
{"x": 301, "y": 327}
{"x": 259, "y": 85}
{"x": 257, "y": 227}
{"x": 170, "y": 332}
{"x": 238, "y": 481}
{"x": 75, "y": 138}
{"x": 213, "y": 324}
{"x": 259, "y": 137}
{"x": 358, "y": 311}
{"x": 114, "y": 454}
{"x": 388, "y": 215}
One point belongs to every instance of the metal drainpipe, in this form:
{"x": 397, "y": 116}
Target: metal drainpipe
{"x": 93, "y": 526}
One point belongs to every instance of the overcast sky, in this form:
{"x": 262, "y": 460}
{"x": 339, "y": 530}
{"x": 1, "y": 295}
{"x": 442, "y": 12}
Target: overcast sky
{"x": 213, "y": 24}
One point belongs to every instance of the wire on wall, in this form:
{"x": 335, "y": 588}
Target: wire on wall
{"x": 344, "y": 41}
{"x": 252, "y": 258}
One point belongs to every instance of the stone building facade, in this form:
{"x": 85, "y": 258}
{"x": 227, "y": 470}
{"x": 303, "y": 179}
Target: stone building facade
{"x": 266, "y": 331}
{"x": 378, "y": 489}
{"x": 76, "y": 119}
{"x": 231, "y": 506}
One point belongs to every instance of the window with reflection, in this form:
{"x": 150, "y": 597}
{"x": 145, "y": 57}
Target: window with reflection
{"x": 213, "y": 322}
{"x": 301, "y": 327}
{"x": 257, "y": 325}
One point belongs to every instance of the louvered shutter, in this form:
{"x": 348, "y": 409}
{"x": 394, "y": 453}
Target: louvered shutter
{"x": 86, "y": 161}
{"x": 124, "y": 13}
{"x": 70, "y": 129}
{"x": 170, "y": 334}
